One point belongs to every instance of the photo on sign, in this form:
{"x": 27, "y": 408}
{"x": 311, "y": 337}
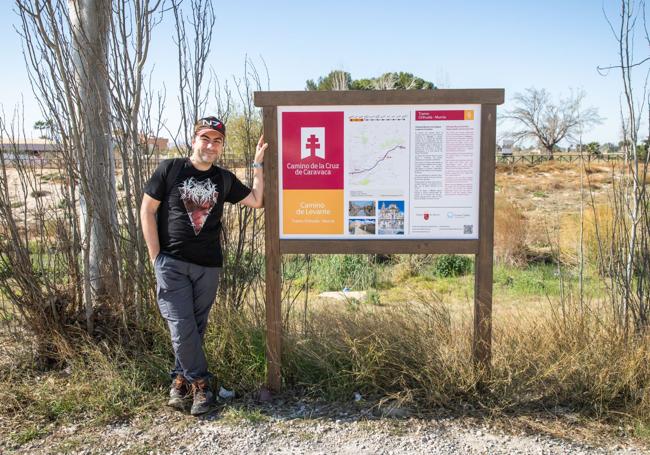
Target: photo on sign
{"x": 362, "y": 208}
{"x": 390, "y": 219}
{"x": 361, "y": 226}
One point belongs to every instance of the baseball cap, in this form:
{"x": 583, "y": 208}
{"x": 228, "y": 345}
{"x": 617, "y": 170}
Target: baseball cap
{"x": 209, "y": 124}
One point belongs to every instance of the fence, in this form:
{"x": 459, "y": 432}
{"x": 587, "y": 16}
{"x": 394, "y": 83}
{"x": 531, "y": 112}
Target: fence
{"x": 563, "y": 157}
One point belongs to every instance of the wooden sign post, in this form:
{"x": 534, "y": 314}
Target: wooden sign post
{"x": 479, "y": 243}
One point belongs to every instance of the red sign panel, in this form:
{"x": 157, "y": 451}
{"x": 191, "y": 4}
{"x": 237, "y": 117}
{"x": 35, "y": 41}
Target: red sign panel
{"x": 312, "y": 150}
{"x": 440, "y": 115}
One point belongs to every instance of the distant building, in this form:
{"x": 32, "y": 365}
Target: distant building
{"x": 506, "y": 147}
{"x": 160, "y": 144}
{"x": 29, "y": 149}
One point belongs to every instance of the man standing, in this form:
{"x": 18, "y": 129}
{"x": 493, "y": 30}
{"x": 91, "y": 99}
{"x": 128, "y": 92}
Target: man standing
{"x": 181, "y": 221}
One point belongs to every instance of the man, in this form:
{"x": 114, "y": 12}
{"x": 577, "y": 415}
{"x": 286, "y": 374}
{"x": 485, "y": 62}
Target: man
{"x": 181, "y": 220}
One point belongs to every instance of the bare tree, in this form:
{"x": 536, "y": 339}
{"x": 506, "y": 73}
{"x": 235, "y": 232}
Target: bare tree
{"x": 96, "y": 105}
{"x": 536, "y": 116}
{"x": 89, "y": 26}
{"x": 66, "y": 49}
{"x": 628, "y": 259}
{"x": 193, "y": 54}
{"x": 131, "y": 31}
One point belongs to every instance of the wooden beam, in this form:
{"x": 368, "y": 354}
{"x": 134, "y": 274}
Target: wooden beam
{"x": 374, "y": 97}
{"x": 379, "y": 246}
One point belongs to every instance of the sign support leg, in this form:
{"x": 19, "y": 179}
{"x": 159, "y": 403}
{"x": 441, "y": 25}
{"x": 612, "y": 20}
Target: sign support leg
{"x": 483, "y": 265}
{"x": 273, "y": 258}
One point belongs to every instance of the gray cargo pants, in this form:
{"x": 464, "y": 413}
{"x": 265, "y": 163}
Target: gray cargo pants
{"x": 186, "y": 293}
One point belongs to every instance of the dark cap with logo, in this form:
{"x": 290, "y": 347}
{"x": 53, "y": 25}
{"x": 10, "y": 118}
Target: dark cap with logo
{"x": 209, "y": 124}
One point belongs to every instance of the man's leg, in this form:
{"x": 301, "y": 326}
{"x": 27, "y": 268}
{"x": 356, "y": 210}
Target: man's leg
{"x": 205, "y": 281}
{"x": 175, "y": 300}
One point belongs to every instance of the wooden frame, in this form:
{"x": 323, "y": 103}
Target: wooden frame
{"x": 481, "y": 248}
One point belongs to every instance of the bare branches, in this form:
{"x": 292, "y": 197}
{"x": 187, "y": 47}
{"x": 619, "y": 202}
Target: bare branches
{"x": 193, "y": 53}
{"x": 86, "y": 63}
{"x": 537, "y": 117}
{"x": 629, "y": 256}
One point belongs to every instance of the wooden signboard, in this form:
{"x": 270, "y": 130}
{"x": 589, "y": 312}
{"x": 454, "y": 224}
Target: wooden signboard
{"x": 379, "y": 172}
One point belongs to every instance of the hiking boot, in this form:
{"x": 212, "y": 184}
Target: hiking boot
{"x": 180, "y": 393}
{"x": 203, "y": 397}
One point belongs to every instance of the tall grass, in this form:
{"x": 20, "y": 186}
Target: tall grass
{"x": 417, "y": 353}
{"x": 510, "y": 229}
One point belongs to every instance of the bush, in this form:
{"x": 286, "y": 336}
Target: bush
{"x": 337, "y": 271}
{"x": 36, "y": 194}
{"x": 448, "y": 265}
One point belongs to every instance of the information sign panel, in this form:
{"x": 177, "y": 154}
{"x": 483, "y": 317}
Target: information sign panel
{"x": 376, "y": 172}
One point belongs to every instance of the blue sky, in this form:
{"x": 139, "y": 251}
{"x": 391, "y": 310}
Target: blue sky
{"x": 555, "y": 45}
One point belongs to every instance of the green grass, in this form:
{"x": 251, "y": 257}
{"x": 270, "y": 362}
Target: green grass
{"x": 102, "y": 387}
{"x": 642, "y": 430}
{"x": 237, "y": 415}
{"x": 335, "y": 272}
{"x": 28, "y": 434}
{"x": 541, "y": 281}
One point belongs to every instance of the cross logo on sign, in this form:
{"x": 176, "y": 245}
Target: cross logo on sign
{"x": 312, "y": 142}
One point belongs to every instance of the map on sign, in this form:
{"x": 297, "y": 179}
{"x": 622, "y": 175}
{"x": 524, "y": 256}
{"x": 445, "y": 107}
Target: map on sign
{"x": 377, "y": 149}
{"x": 379, "y": 172}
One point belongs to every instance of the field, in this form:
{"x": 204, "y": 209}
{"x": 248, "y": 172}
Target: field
{"x": 559, "y": 366}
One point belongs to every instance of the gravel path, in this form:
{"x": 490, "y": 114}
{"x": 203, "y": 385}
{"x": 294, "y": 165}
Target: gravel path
{"x": 245, "y": 430}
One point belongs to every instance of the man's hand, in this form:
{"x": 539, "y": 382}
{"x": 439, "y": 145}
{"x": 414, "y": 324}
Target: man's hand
{"x": 259, "y": 150}
{"x": 255, "y": 198}
{"x": 153, "y": 256}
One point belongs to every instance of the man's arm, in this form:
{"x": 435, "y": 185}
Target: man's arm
{"x": 149, "y": 226}
{"x": 255, "y": 198}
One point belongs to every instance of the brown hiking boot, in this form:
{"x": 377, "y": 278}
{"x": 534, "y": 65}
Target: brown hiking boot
{"x": 203, "y": 397}
{"x": 179, "y": 394}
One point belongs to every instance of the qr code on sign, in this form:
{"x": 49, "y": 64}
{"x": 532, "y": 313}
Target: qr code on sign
{"x": 468, "y": 228}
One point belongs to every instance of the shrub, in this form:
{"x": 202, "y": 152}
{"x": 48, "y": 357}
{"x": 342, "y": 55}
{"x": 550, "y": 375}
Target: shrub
{"x": 372, "y": 297}
{"x": 39, "y": 193}
{"x": 448, "y": 265}
{"x": 337, "y": 271}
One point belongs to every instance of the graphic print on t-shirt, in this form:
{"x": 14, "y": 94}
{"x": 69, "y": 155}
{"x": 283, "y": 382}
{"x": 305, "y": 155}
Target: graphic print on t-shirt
{"x": 199, "y": 196}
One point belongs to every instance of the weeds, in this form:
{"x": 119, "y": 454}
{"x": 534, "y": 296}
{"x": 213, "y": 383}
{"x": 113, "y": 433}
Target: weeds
{"x": 338, "y": 271}
{"x": 27, "y": 434}
{"x": 237, "y": 415}
{"x": 448, "y": 265}
{"x": 415, "y": 350}
{"x": 99, "y": 385}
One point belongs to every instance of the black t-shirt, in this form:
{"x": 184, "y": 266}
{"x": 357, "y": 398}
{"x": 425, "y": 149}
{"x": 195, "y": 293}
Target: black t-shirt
{"x": 189, "y": 217}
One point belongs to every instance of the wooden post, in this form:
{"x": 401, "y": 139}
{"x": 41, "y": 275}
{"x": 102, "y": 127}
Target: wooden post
{"x": 272, "y": 250}
{"x": 482, "y": 342}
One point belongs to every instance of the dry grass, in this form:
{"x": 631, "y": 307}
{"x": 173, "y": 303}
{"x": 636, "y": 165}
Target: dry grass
{"x": 548, "y": 196}
{"x": 597, "y": 223}
{"x": 553, "y": 354}
{"x": 414, "y": 347}
{"x": 510, "y": 228}
{"x": 561, "y": 356}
